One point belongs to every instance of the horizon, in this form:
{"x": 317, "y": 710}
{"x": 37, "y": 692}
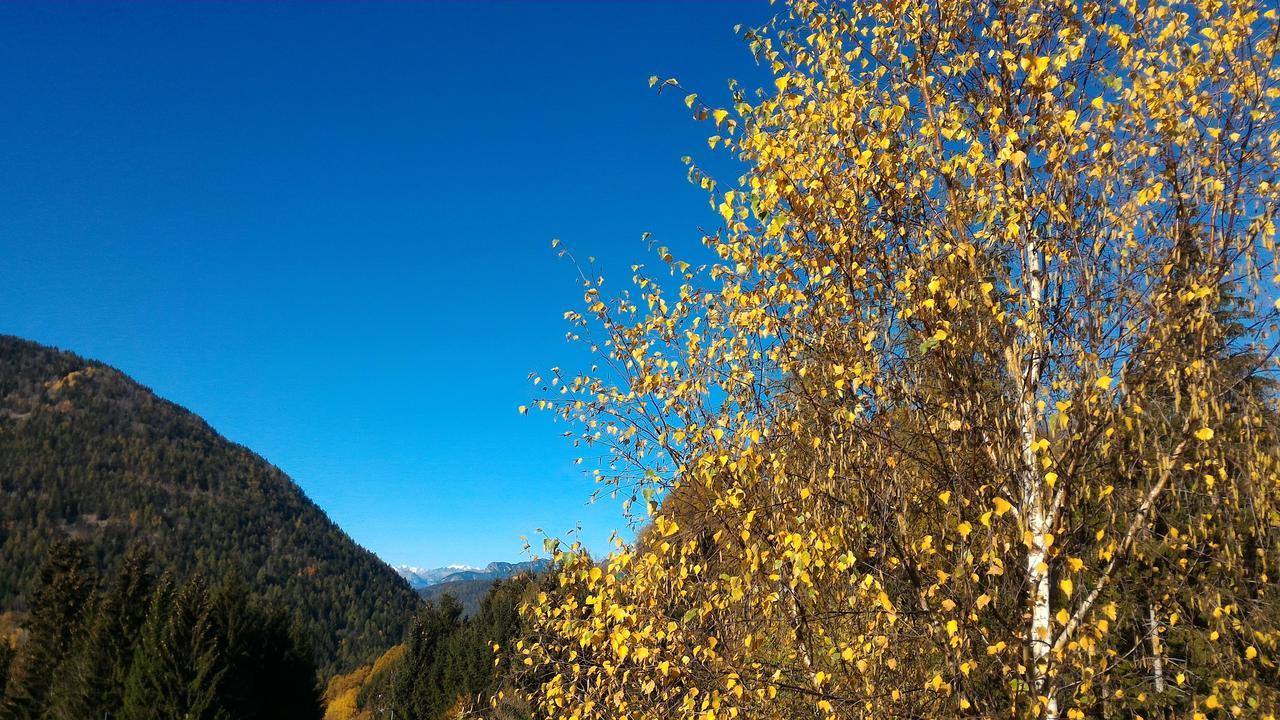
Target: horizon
{"x": 327, "y": 231}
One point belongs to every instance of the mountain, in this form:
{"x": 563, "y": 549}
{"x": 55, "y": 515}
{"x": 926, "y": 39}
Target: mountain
{"x": 87, "y": 452}
{"x": 468, "y": 585}
{"x": 420, "y": 578}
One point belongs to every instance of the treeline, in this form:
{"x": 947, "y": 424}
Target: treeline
{"x": 151, "y": 646}
{"x": 447, "y": 665}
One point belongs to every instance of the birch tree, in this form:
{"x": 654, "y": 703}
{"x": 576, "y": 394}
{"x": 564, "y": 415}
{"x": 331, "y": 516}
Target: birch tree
{"x": 957, "y": 424}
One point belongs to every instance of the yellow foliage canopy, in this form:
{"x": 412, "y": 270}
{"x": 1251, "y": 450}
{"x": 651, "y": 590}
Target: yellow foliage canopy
{"x": 975, "y": 413}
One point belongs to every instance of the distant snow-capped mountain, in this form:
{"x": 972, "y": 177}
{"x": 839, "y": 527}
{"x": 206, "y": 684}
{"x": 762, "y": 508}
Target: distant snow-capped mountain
{"x": 419, "y": 578}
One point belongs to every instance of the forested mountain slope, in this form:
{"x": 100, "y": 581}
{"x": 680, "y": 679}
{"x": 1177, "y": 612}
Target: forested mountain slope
{"x": 85, "y": 451}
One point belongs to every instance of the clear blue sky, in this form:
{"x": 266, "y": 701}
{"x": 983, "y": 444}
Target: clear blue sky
{"x": 325, "y": 228}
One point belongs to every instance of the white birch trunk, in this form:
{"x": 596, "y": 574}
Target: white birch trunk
{"x": 1157, "y": 657}
{"x": 1033, "y": 501}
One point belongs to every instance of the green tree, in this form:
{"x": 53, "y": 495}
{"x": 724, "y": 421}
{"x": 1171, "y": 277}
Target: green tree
{"x": 90, "y": 684}
{"x": 450, "y": 663}
{"x": 65, "y": 585}
{"x": 269, "y": 673}
{"x": 215, "y": 651}
{"x": 179, "y": 666}
{"x": 421, "y": 690}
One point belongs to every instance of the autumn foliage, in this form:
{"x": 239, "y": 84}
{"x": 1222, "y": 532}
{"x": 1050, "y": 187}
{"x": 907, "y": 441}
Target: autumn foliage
{"x": 974, "y": 416}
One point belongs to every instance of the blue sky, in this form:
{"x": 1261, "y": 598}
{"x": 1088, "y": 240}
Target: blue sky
{"x": 326, "y": 228}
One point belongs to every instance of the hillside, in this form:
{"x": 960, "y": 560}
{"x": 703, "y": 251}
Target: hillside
{"x": 87, "y": 452}
{"x": 468, "y": 593}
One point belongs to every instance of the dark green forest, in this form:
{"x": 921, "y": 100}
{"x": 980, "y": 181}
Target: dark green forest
{"x": 142, "y": 646}
{"x": 88, "y": 454}
{"x": 449, "y": 662}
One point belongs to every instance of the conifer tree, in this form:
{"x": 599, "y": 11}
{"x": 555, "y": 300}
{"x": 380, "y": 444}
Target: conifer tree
{"x": 421, "y": 689}
{"x": 269, "y": 673}
{"x": 91, "y": 683}
{"x": 65, "y": 586}
{"x": 179, "y": 666}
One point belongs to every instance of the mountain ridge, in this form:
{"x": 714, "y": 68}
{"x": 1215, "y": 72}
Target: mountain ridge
{"x": 87, "y": 452}
{"x": 420, "y": 578}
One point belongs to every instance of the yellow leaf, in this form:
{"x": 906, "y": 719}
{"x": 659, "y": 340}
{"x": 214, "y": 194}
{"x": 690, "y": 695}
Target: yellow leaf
{"x": 719, "y": 116}
{"x": 964, "y": 528}
{"x": 1002, "y": 506}
{"x": 1066, "y": 586}
{"x": 1204, "y": 434}
{"x": 1104, "y": 382}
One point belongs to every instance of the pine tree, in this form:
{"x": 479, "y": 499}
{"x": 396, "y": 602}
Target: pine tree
{"x": 269, "y": 672}
{"x": 284, "y": 672}
{"x": 421, "y": 689}
{"x": 179, "y": 665}
{"x": 91, "y": 683}
{"x": 65, "y": 587}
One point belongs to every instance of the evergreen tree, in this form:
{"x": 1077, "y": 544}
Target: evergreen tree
{"x": 143, "y": 648}
{"x": 421, "y": 689}
{"x": 471, "y": 655}
{"x": 446, "y": 663}
{"x": 65, "y": 585}
{"x": 285, "y": 673}
{"x": 91, "y": 683}
{"x": 269, "y": 674}
{"x": 178, "y": 668}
